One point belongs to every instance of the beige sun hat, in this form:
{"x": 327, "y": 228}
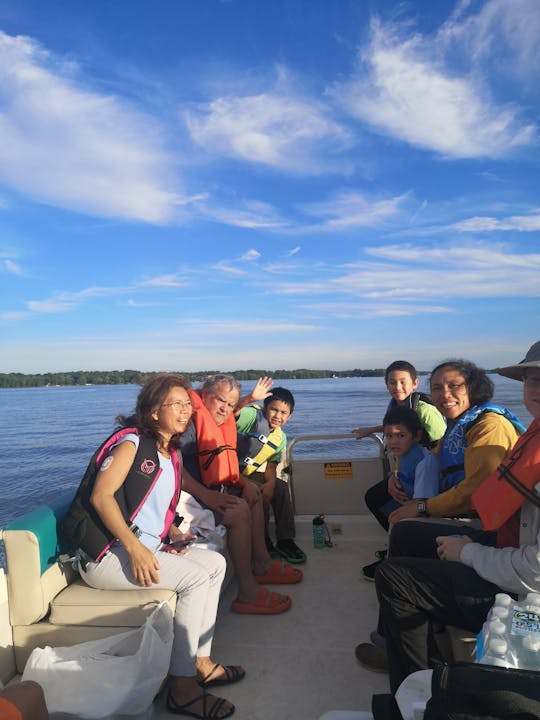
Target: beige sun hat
{"x": 531, "y": 360}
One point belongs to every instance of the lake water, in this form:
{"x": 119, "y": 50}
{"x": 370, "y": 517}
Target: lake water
{"x": 47, "y": 435}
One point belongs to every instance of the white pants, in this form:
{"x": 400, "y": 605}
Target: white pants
{"x": 196, "y": 577}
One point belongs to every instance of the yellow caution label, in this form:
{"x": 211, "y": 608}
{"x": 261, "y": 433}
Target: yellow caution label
{"x": 335, "y": 470}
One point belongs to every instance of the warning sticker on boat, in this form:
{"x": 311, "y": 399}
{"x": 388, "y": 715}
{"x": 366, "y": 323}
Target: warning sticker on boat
{"x": 337, "y": 470}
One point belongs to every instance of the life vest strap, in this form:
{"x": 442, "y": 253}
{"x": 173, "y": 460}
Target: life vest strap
{"x": 213, "y": 453}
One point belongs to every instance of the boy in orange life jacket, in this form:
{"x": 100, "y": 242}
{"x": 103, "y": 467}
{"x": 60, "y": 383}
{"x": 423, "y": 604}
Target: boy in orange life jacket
{"x": 252, "y": 422}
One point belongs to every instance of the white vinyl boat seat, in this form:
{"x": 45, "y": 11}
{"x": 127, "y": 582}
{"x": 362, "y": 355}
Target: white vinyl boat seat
{"x": 49, "y": 603}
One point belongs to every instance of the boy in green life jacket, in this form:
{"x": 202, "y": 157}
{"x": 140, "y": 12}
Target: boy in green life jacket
{"x": 261, "y": 444}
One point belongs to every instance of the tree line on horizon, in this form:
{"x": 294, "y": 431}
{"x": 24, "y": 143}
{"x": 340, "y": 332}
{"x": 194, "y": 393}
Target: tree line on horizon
{"x": 138, "y": 377}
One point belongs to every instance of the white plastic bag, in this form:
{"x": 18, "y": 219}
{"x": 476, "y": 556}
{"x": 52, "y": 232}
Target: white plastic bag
{"x": 413, "y": 693}
{"x": 118, "y": 674}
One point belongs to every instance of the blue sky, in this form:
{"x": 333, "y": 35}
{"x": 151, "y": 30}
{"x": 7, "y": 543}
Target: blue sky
{"x": 205, "y": 184}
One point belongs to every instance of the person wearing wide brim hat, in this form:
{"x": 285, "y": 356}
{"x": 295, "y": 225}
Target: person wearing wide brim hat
{"x": 531, "y": 360}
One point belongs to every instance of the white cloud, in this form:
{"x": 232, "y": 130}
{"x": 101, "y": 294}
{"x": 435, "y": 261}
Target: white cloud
{"x": 349, "y": 210}
{"x": 50, "y": 306}
{"x": 404, "y": 89}
{"x": 250, "y": 214}
{"x": 280, "y": 128}
{"x": 14, "y": 316}
{"x": 11, "y": 267}
{"x": 426, "y": 274}
{"x": 294, "y": 251}
{"x": 167, "y": 280}
{"x": 353, "y": 311}
{"x": 241, "y": 328}
{"x": 501, "y": 32}
{"x": 65, "y": 145}
{"x": 522, "y": 223}
{"x": 251, "y": 255}
{"x": 228, "y": 269}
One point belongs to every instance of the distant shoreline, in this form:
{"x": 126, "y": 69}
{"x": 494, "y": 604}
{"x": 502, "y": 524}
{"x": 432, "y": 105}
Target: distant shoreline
{"x": 138, "y": 377}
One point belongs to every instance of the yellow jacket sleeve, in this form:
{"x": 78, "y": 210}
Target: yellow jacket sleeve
{"x": 488, "y": 441}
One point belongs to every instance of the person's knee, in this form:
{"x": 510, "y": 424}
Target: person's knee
{"x": 237, "y": 514}
{"x": 27, "y": 696}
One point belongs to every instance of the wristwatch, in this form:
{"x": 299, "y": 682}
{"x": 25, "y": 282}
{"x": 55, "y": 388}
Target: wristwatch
{"x": 421, "y": 508}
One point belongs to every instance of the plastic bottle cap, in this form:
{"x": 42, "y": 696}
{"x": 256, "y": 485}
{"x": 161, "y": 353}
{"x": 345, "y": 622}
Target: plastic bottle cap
{"x": 504, "y": 599}
{"x": 497, "y": 627}
{"x": 500, "y": 612}
{"x": 533, "y": 598}
{"x": 498, "y": 645}
{"x": 531, "y": 643}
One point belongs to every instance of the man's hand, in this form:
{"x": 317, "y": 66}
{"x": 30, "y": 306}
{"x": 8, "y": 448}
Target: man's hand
{"x": 396, "y": 491}
{"x": 407, "y": 510}
{"x": 267, "y": 492}
{"x": 449, "y": 547}
{"x": 250, "y": 493}
{"x": 220, "y": 502}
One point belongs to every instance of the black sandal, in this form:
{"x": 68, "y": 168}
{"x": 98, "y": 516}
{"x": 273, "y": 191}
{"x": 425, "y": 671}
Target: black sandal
{"x": 207, "y": 714}
{"x": 233, "y": 674}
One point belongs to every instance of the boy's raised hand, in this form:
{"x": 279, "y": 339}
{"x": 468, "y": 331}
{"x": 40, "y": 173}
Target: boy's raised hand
{"x": 262, "y": 389}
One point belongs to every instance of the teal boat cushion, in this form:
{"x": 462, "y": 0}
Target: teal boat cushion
{"x": 44, "y": 522}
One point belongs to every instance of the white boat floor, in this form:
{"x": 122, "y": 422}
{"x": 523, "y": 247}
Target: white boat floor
{"x": 301, "y": 664}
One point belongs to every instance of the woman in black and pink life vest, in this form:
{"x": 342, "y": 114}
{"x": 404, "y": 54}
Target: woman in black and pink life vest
{"x": 129, "y": 538}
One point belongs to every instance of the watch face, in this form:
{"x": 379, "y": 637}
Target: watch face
{"x": 421, "y": 507}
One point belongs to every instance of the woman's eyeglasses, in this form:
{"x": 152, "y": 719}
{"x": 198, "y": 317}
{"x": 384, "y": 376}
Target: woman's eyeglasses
{"x": 178, "y": 405}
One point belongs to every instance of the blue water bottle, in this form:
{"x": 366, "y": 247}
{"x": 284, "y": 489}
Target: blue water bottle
{"x": 318, "y": 532}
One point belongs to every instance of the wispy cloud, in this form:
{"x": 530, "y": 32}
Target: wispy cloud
{"x": 353, "y": 311}
{"x": 504, "y": 34}
{"x": 251, "y": 255}
{"x": 281, "y": 128}
{"x": 420, "y": 273}
{"x": 11, "y": 267}
{"x": 68, "y": 146}
{"x": 294, "y": 251}
{"x": 251, "y": 214}
{"x": 349, "y": 210}
{"x": 521, "y": 223}
{"x": 402, "y": 87}
{"x": 50, "y": 306}
{"x": 228, "y": 269}
{"x": 166, "y": 281}
{"x": 239, "y": 328}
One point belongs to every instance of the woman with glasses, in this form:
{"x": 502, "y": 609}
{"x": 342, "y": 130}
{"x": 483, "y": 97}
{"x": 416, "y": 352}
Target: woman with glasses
{"x": 478, "y": 435}
{"x": 459, "y": 587}
{"x": 123, "y": 520}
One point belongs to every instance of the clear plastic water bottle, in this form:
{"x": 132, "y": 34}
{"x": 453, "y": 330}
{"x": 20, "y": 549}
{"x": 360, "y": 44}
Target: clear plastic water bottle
{"x": 510, "y": 636}
{"x": 496, "y": 653}
{"x": 318, "y": 532}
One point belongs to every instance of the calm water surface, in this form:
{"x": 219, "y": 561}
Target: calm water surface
{"x": 47, "y": 435}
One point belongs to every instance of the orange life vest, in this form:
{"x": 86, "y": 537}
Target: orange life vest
{"x": 218, "y": 461}
{"x": 497, "y": 498}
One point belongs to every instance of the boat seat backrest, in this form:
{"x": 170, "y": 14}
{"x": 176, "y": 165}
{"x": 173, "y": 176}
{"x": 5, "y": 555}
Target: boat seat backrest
{"x": 35, "y": 576}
